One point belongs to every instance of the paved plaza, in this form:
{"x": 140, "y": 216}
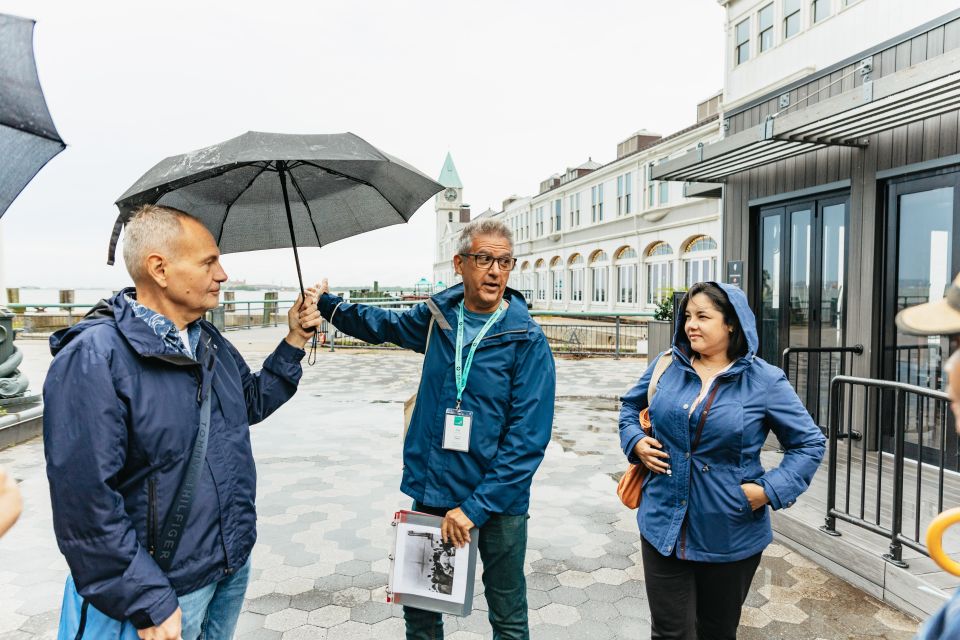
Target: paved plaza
{"x": 329, "y": 469}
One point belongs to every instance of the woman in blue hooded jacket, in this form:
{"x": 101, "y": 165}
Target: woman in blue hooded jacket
{"x": 703, "y": 514}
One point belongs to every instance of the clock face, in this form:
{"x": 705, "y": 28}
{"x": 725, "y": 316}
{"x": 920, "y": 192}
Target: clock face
{"x": 450, "y": 194}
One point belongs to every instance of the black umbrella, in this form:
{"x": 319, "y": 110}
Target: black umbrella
{"x": 272, "y": 190}
{"x": 28, "y": 138}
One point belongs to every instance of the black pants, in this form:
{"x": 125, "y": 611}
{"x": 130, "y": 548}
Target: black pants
{"x": 695, "y": 600}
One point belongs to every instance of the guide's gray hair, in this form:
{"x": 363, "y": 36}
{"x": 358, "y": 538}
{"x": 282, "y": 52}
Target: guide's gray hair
{"x": 483, "y": 227}
{"x": 151, "y": 229}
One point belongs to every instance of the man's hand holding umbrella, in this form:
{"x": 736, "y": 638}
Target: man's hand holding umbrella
{"x": 303, "y": 318}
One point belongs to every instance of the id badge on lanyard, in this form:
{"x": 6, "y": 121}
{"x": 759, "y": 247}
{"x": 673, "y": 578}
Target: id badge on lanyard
{"x": 456, "y": 430}
{"x": 458, "y": 423}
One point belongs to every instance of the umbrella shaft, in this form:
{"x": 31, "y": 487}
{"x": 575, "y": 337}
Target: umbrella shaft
{"x": 282, "y": 170}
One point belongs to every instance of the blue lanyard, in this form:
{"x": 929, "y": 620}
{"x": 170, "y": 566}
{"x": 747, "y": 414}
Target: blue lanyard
{"x": 462, "y": 370}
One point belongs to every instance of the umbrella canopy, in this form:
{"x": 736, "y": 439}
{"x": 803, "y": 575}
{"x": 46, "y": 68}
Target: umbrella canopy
{"x": 272, "y": 190}
{"x": 28, "y": 138}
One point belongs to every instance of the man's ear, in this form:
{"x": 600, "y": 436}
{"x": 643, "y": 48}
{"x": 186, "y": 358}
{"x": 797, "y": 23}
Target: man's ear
{"x": 458, "y": 264}
{"x": 157, "y": 269}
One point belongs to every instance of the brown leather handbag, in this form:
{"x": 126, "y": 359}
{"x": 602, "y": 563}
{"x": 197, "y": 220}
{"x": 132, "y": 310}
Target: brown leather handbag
{"x": 629, "y": 489}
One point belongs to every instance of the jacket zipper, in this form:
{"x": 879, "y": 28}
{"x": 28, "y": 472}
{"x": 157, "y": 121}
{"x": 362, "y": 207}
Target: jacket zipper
{"x": 152, "y": 515}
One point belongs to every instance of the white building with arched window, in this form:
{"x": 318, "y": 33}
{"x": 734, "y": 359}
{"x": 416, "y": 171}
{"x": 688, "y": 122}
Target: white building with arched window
{"x": 606, "y": 238}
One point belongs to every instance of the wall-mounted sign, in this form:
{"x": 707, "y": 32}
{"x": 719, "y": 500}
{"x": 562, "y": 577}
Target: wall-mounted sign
{"x": 735, "y": 273}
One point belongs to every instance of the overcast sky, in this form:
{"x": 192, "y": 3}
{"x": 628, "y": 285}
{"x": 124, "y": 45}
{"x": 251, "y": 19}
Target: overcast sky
{"x": 516, "y": 91}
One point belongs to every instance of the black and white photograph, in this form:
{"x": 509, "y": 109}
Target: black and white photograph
{"x": 425, "y": 565}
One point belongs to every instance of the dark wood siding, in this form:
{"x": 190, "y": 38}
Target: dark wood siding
{"x": 930, "y": 139}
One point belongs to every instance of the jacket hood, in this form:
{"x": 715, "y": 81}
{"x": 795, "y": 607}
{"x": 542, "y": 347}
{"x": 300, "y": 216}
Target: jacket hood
{"x": 748, "y": 323}
{"x": 117, "y": 311}
{"x": 517, "y": 316}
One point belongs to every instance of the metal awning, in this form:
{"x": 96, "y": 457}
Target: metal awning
{"x": 913, "y": 94}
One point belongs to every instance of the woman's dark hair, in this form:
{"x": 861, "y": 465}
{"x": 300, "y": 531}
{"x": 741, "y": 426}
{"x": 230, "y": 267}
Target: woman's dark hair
{"x": 738, "y": 341}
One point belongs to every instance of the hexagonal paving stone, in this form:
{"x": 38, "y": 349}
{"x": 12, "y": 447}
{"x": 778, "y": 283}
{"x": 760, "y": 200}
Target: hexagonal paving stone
{"x": 269, "y": 603}
{"x": 548, "y": 565}
{"x": 784, "y": 612}
{"x": 310, "y": 600}
{"x": 537, "y": 598}
{"x": 576, "y": 579}
{"x": 753, "y": 617}
{"x": 542, "y": 581}
{"x": 779, "y": 595}
{"x": 896, "y": 620}
{"x": 353, "y": 567}
{"x": 633, "y": 608}
{"x": 560, "y": 614}
{"x": 294, "y": 586}
{"x": 568, "y": 596}
{"x": 591, "y": 629}
{"x": 306, "y": 632}
{"x": 279, "y": 573}
{"x": 604, "y": 592}
{"x": 329, "y": 616}
{"x": 371, "y": 612}
{"x": 595, "y": 610}
{"x": 285, "y": 620}
{"x": 351, "y": 630}
{"x": 351, "y": 597}
{"x": 334, "y": 582}
{"x": 607, "y": 575}
{"x": 807, "y": 575}
{"x": 370, "y": 580}
{"x": 775, "y": 550}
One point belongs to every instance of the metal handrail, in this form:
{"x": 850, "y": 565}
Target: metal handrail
{"x": 894, "y": 532}
{"x": 814, "y": 411}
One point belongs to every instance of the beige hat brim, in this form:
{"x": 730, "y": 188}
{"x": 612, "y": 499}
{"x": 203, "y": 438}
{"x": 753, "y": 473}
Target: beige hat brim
{"x": 929, "y": 319}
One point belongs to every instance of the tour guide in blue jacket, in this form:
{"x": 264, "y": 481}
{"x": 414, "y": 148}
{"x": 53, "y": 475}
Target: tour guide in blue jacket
{"x": 705, "y": 504}
{"x": 510, "y": 390}
{"x": 120, "y": 420}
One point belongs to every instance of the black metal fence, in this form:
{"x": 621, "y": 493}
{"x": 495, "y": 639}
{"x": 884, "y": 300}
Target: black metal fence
{"x": 571, "y": 333}
{"x": 810, "y": 370}
{"x": 892, "y": 497}
{"x": 614, "y": 336}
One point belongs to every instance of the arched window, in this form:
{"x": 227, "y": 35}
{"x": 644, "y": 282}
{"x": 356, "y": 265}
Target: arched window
{"x": 626, "y": 264}
{"x": 524, "y": 285}
{"x": 699, "y": 260}
{"x": 659, "y": 272}
{"x": 540, "y": 271}
{"x": 600, "y": 273}
{"x": 576, "y": 277}
{"x": 556, "y": 275}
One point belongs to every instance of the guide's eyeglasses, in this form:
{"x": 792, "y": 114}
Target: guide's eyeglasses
{"x": 485, "y": 261}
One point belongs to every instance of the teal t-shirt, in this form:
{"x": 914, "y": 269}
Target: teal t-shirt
{"x": 472, "y": 323}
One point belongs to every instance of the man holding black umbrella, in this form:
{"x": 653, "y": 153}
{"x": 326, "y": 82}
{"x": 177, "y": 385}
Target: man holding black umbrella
{"x": 146, "y": 434}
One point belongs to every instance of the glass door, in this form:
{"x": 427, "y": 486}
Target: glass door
{"x": 803, "y": 257}
{"x": 923, "y": 254}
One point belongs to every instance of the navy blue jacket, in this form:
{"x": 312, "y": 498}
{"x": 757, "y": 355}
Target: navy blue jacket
{"x": 120, "y": 417}
{"x": 510, "y": 391}
{"x": 700, "y": 512}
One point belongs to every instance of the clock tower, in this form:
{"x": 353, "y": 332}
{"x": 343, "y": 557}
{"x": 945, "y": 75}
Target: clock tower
{"x": 452, "y": 216}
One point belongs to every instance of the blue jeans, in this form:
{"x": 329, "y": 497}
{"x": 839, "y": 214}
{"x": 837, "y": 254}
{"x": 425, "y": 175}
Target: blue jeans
{"x": 211, "y": 613}
{"x": 503, "y": 547}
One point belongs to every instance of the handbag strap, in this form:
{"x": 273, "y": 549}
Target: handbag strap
{"x": 703, "y": 416}
{"x": 661, "y": 367}
{"x": 176, "y": 520}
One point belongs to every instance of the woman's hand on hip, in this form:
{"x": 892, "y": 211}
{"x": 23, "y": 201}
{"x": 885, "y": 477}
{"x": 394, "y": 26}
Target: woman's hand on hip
{"x": 648, "y": 449}
{"x": 756, "y": 496}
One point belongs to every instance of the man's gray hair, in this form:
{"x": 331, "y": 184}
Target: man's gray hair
{"x": 151, "y": 229}
{"x": 483, "y": 227}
